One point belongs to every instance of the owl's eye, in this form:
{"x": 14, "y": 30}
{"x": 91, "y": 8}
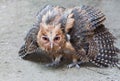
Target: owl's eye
{"x": 56, "y": 38}
{"x": 45, "y": 38}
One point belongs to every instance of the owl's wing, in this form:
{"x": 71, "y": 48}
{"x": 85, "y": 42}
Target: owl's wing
{"x": 108, "y": 53}
{"x": 87, "y": 19}
{"x": 30, "y": 46}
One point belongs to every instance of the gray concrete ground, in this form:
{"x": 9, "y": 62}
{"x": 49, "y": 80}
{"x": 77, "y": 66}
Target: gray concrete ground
{"x": 17, "y": 17}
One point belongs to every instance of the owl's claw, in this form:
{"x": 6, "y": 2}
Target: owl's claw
{"x": 74, "y": 64}
{"x": 53, "y": 64}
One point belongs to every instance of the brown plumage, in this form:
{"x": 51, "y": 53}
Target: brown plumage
{"x": 77, "y": 32}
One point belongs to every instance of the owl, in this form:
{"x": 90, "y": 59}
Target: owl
{"x": 78, "y": 33}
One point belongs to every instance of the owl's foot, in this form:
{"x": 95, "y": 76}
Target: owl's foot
{"x": 74, "y": 64}
{"x": 55, "y": 62}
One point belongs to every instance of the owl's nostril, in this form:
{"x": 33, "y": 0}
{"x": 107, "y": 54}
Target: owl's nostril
{"x": 51, "y": 45}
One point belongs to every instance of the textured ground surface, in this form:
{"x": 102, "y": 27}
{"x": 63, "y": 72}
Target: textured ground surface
{"x": 16, "y": 18}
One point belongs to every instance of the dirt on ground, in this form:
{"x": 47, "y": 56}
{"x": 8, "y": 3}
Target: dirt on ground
{"x": 18, "y": 16}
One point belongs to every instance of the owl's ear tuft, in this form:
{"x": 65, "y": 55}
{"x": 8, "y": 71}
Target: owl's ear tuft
{"x": 69, "y": 23}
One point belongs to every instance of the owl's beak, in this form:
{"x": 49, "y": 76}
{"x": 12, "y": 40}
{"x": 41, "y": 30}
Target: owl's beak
{"x": 51, "y": 45}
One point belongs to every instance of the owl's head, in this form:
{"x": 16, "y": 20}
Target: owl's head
{"x": 52, "y": 33}
{"x": 51, "y": 37}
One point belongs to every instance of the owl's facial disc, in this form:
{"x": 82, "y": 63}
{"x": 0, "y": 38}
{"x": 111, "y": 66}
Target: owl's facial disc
{"x": 50, "y": 37}
{"x": 51, "y": 40}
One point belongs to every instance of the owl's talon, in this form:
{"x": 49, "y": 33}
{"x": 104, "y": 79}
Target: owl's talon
{"x": 53, "y": 64}
{"x": 77, "y": 66}
{"x": 74, "y": 64}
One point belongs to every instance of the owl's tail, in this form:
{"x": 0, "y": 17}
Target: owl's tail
{"x": 108, "y": 53}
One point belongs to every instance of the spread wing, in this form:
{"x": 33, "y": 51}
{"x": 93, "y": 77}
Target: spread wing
{"x": 108, "y": 53}
{"x": 89, "y": 34}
